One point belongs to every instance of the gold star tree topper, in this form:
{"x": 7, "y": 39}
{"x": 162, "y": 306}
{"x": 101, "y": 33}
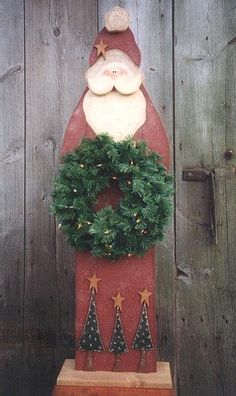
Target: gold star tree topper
{"x": 118, "y": 301}
{"x": 94, "y": 282}
{"x": 101, "y": 48}
{"x": 145, "y": 294}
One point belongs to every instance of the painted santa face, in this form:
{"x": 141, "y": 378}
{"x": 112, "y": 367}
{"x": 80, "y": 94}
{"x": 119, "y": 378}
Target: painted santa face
{"x": 117, "y": 72}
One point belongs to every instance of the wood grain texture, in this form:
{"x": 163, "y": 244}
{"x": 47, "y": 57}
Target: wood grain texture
{"x": 151, "y": 24}
{"x": 161, "y": 379}
{"x": 101, "y": 391}
{"x": 205, "y": 289}
{"x": 59, "y": 36}
{"x": 11, "y": 193}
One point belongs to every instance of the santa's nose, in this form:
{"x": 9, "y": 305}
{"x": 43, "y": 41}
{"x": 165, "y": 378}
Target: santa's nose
{"x": 113, "y": 72}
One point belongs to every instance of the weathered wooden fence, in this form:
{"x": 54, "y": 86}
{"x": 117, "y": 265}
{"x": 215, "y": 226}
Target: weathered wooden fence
{"x": 189, "y": 59}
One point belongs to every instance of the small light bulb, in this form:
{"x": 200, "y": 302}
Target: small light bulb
{"x": 138, "y": 220}
{"x": 129, "y": 254}
{"x": 129, "y": 182}
{"x": 79, "y": 225}
{"x": 59, "y": 226}
{"x": 75, "y": 190}
{"x": 81, "y": 165}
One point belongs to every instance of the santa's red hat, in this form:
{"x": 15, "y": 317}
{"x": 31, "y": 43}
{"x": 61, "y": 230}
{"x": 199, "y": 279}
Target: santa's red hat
{"x": 122, "y": 40}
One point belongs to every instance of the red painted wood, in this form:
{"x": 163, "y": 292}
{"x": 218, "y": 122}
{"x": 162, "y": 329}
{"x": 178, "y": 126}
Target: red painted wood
{"x": 128, "y": 275}
{"x": 123, "y": 41}
{"x": 63, "y": 390}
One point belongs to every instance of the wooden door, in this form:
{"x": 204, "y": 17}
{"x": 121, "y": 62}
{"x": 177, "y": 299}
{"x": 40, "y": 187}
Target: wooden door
{"x": 189, "y": 60}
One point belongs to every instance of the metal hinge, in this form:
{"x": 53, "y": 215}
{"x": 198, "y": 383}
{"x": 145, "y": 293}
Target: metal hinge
{"x": 202, "y": 175}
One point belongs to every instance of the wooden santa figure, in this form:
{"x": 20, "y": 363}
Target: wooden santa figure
{"x": 115, "y": 301}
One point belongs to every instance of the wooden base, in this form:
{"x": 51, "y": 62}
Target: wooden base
{"x": 71, "y": 382}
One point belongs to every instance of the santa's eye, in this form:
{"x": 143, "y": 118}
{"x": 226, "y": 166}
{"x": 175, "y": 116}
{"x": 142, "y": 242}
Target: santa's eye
{"x": 112, "y": 72}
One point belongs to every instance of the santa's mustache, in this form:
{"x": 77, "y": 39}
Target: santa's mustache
{"x": 123, "y": 83}
{"x": 105, "y": 76}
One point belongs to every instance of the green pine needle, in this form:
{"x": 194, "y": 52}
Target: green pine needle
{"x": 142, "y": 213}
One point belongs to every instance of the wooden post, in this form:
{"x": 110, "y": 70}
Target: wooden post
{"x": 89, "y": 362}
{"x": 142, "y": 363}
{"x": 117, "y": 362}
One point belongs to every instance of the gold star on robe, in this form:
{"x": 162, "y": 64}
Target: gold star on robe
{"x": 145, "y": 294}
{"x": 118, "y": 301}
{"x": 101, "y": 48}
{"x": 94, "y": 282}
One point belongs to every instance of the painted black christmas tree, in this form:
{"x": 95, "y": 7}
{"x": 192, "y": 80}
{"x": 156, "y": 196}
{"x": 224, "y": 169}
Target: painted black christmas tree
{"x": 90, "y": 339}
{"x": 118, "y": 343}
{"x": 143, "y": 338}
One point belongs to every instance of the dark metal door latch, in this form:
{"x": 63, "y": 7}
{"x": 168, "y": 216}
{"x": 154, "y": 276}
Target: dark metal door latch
{"x": 202, "y": 175}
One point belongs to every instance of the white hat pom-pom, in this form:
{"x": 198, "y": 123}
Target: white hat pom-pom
{"x": 117, "y": 20}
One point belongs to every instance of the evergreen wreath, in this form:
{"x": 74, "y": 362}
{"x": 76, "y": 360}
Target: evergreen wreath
{"x": 141, "y": 214}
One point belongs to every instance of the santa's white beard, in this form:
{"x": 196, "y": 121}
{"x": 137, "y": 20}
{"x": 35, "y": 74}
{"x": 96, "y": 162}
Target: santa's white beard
{"x": 115, "y": 114}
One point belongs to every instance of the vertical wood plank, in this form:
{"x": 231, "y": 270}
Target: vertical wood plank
{"x": 11, "y": 193}
{"x": 204, "y": 103}
{"x": 59, "y": 35}
{"x": 151, "y": 23}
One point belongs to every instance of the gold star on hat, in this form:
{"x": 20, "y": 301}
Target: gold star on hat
{"x": 101, "y": 48}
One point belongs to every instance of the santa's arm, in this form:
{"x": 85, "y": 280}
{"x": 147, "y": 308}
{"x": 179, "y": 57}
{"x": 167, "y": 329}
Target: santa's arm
{"x": 77, "y": 129}
{"x": 154, "y": 133}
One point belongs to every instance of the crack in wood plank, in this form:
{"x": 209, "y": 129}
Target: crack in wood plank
{"x": 9, "y": 72}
